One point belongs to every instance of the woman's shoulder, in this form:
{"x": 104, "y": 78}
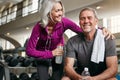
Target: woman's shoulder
{"x": 37, "y": 24}
{"x": 65, "y": 19}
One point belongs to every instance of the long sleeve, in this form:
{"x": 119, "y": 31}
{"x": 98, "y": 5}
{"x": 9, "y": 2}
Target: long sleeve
{"x": 31, "y": 45}
{"x": 69, "y": 24}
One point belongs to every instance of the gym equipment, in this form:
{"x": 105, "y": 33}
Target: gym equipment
{"x": 11, "y": 60}
{"x": 34, "y": 76}
{"x": 24, "y": 76}
{"x": 13, "y": 76}
{"x": 24, "y": 61}
{"x": 4, "y": 71}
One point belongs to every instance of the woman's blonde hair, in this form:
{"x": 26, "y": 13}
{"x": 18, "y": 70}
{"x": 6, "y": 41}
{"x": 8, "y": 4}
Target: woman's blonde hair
{"x": 45, "y": 9}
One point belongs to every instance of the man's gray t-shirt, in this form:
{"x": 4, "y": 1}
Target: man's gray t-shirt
{"x": 81, "y": 49}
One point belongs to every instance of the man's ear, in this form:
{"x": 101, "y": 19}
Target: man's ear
{"x": 96, "y": 20}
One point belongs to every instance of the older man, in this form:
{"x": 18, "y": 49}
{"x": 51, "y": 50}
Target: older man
{"x": 81, "y": 48}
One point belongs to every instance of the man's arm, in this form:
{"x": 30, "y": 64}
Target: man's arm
{"x": 69, "y": 69}
{"x": 110, "y": 72}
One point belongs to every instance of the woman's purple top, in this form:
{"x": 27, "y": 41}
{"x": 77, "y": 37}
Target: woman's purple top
{"x": 40, "y": 44}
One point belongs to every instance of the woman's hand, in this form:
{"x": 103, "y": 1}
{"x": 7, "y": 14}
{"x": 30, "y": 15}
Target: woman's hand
{"x": 57, "y": 52}
{"x": 107, "y": 33}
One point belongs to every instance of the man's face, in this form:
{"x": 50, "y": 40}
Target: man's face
{"x": 87, "y": 21}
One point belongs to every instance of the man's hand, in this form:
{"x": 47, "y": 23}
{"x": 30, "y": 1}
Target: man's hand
{"x": 87, "y": 78}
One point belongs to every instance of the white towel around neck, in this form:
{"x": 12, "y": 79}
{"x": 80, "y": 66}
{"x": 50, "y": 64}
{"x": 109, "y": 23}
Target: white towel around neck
{"x": 98, "y": 48}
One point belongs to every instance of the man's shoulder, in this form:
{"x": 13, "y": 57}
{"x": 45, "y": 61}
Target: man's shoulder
{"x": 110, "y": 41}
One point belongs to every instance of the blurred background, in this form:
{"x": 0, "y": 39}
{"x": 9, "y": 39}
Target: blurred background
{"x": 17, "y": 18}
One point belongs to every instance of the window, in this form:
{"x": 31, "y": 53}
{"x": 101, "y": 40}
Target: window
{"x": 9, "y": 16}
{"x": 25, "y": 8}
{"x": 30, "y": 6}
{"x": 13, "y": 12}
{"x": 4, "y": 17}
{"x": 114, "y": 24}
{"x": 34, "y": 6}
{"x": 0, "y": 17}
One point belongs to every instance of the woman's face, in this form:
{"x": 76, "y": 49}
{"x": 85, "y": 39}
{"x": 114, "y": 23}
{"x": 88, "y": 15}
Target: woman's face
{"x": 57, "y": 12}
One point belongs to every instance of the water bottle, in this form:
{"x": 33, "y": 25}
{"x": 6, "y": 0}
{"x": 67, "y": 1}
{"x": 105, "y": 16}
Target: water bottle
{"x": 58, "y": 59}
{"x": 86, "y": 72}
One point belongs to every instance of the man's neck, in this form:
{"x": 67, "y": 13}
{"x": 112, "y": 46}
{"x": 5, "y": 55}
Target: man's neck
{"x": 90, "y": 35}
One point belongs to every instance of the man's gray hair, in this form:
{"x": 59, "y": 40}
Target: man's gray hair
{"x": 89, "y": 9}
{"x": 45, "y": 9}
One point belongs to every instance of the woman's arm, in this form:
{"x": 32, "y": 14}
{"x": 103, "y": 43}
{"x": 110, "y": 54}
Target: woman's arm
{"x": 31, "y": 45}
{"x": 69, "y": 24}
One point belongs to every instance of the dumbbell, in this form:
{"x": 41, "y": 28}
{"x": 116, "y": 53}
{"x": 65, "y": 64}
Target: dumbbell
{"x": 24, "y": 62}
{"x": 13, "y": 76}
{"x": 11, "y": 60}
{"x": 34, "y": 63}
{"x": 34, "y": 76}
{"x": 1, "y": 50}
{"x": 24, "y": 76}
